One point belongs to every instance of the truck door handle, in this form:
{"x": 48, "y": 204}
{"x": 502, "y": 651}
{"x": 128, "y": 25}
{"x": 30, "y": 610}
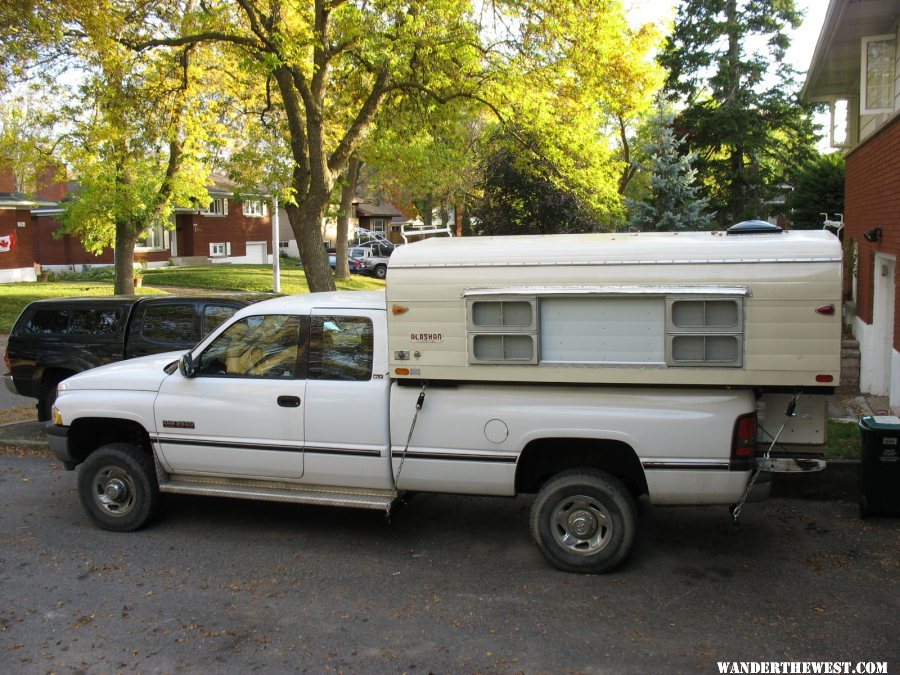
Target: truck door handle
{"x": 289, "y": 401}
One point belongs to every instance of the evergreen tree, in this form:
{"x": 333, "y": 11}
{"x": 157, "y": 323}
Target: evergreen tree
{"x": 818, "y": 188}
{"x": 742, "y": 115}
{"x": 673, "y": 202}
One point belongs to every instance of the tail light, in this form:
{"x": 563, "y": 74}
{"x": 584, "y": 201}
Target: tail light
{"x": 743, "y": 443}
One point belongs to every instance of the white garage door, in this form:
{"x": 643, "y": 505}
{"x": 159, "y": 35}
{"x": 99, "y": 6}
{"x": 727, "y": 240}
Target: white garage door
{"x": 257, "y": 252}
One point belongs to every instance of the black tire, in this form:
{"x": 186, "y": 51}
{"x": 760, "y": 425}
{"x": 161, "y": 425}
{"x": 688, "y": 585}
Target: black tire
{"x": 381, "y": 271}
{"x": 584, "y": 520}
{"x": 47, "y": 397}
{"x": 118, "y": 487}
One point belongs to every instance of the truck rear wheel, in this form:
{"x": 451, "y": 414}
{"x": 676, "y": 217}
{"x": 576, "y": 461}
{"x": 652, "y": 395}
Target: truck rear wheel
{"x": 584, "y": 520}
{"x": 118, "y": 487}
{"x": 381, "y": 271}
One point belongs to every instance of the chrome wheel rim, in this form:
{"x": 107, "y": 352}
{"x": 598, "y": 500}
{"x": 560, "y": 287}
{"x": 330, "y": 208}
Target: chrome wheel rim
{"x": 114, "y": 491}
{"x": 581, "y": 525}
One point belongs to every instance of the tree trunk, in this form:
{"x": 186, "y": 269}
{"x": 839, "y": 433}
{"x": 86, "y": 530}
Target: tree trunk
{"x": 124, "y": 252}
{"x": 427, "y": 209}
{"x": 306, "y": 222}
{"x": 342, "y": 268}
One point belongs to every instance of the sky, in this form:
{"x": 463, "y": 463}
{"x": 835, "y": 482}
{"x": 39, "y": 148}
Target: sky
{"x": 803, "y": 38}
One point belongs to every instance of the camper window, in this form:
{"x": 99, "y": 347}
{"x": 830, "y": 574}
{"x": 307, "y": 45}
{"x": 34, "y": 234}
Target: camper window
{"x": 502, "y": 314}
{"x": 705, "y": 332}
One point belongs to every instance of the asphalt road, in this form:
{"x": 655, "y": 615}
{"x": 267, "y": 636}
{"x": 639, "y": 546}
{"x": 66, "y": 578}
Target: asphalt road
{"x": 452, "y": 584}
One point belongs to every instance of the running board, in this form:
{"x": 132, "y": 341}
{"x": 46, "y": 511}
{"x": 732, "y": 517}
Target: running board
{"x": 356, "y": 498}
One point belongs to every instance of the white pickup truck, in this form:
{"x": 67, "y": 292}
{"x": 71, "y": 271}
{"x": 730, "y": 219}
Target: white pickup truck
{"x": 327, "y": 399}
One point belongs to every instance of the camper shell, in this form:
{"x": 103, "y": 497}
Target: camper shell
{"x": 753, "y": 308}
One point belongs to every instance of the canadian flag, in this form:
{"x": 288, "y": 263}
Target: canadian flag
{"x": 7, "y": 243}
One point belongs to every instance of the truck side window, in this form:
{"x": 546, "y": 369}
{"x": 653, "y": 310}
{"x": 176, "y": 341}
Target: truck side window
{"x": 95, "y": 321}
{"x": 214, "y": 316}
{"x": 341, "y": 348}
{"x": 169, "y": 323}
{"x": 48, "y": 321}
{"x": 268, "y": 345}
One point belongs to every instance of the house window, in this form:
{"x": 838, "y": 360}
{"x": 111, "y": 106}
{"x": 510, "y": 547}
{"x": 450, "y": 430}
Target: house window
{"x": 878, "y": 57}
{"x": 153, "y": 238}
{"x": 254, "y": 208}
{"x": 220, "y": 250}
{"x": 378, "y": 225}
{"x": 217, "y": 207}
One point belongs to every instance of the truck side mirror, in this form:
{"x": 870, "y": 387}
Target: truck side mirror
{"x": 186, "y": 365}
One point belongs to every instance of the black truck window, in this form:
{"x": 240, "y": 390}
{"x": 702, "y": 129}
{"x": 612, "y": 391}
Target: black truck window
{"x": 169, "y": 323}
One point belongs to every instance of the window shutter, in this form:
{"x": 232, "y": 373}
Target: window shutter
{"x": 224, "y": 206}
{"x": 227, "y": 248}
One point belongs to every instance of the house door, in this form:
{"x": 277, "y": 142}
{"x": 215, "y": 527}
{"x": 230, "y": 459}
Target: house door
{"x": 883, "y": 324}
{"x": 257, "y": 252}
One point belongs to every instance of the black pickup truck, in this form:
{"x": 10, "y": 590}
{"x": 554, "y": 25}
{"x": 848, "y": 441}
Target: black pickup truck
{"x": 54, "y": 339}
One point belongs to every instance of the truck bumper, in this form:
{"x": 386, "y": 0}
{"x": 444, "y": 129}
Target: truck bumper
{"x": 9, "y": 384}
{"x": 58, "y": 438}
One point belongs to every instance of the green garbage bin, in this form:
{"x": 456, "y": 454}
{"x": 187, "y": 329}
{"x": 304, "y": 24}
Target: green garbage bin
{"x": 879, "y": 489}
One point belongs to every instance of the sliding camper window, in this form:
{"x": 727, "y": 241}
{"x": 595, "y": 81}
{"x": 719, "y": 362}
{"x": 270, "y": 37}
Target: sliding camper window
{"x": 705, "y": 332}
{"x": 502, "y": 330}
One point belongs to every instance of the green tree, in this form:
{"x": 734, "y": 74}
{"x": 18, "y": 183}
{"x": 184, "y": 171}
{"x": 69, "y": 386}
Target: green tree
{"x": 818, "y": 187}
{"x": 672, "y": 201}
{"x": 26, "y": 139}
{"x": 742, "y": 115}
{"x": 135, "y": 129}
{"x": 519, "y": 197}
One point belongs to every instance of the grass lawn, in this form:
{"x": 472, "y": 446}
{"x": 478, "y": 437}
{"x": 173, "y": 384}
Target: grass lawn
{"x": 257, "y": 278}
{"x": 843, "y": 440}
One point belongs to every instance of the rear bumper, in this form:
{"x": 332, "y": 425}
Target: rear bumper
{"x": 10, "y": 384}
{"x": 58, "y": 439}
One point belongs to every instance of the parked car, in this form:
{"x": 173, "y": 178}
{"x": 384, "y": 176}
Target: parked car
{"x": 356, "y": 265}
{"x": 372, "y": 260}
{"x": 54, "y": 339}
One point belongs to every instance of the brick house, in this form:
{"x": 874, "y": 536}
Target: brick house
{"x": 225, "y": 231}
{"x": 856, "y": 70}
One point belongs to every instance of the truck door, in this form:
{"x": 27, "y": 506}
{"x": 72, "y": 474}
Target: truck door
{"x": 241, "y": 414}
{"x": 347, "y": 401}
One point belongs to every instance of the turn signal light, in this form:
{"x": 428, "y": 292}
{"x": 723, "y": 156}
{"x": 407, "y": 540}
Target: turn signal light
{"x": 397, "y": 310}
{"x": 401, "y": 371}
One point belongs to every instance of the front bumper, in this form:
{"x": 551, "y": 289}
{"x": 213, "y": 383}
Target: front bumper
{"x": 58, "y": 438}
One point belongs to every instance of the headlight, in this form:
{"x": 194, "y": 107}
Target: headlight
{"x": 57, "y": 416}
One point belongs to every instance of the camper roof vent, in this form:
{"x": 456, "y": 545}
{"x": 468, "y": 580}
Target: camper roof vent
{"x": 754, "y": 227}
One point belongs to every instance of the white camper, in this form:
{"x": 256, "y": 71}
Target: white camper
{"x": 751, "y": 310}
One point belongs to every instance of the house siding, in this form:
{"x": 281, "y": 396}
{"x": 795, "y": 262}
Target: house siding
{"x": 196, "y": 232}
{"x": 67, "y": 251}
{"x": 872, "y": 199}
{"x": 18, "y": 264}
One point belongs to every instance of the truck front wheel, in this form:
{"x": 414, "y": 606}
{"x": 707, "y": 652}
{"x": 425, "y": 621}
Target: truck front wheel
{"x": 584, "y": 520}
{"x": 118, "y": 487}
